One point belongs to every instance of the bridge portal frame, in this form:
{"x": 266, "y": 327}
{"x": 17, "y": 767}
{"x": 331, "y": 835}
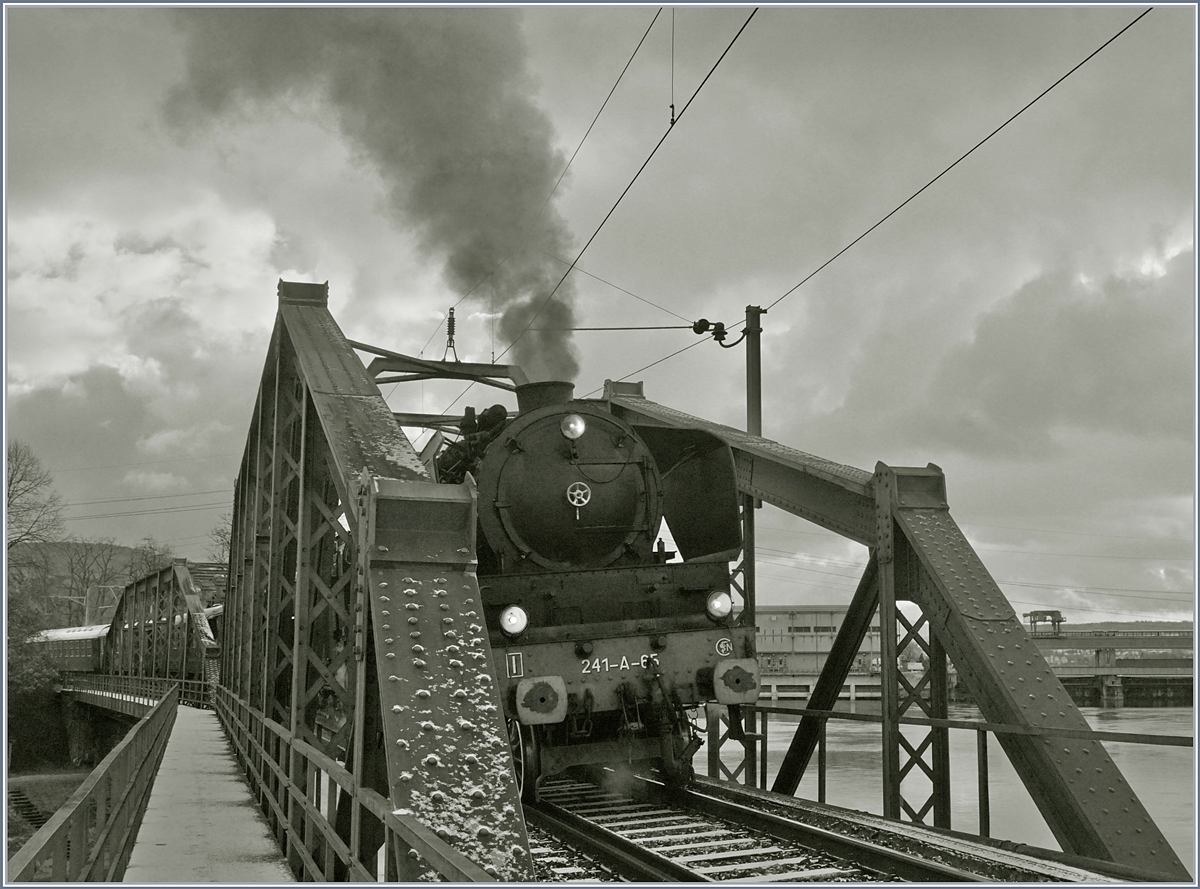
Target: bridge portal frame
{"x": 956, "y": 611}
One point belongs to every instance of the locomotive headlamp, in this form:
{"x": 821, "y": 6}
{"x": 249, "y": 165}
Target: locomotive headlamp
{"x": 513, "y": 620}
{"x": 572, "y": 426}
{"x": 719, "y": 604}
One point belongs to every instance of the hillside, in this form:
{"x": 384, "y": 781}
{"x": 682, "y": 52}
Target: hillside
{"x": 71, "y": 581}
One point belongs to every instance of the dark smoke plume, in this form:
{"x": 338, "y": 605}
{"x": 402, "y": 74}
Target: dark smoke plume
{"x": 439, "y": 100}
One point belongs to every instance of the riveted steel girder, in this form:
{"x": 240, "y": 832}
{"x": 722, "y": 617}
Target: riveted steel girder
{"x": 335, "y": 515}
{"x": 1078, "y": 788}
{"x": 159, "y": 628}
{"x": 918, "y": 554}
{"x": 832, "y": 495}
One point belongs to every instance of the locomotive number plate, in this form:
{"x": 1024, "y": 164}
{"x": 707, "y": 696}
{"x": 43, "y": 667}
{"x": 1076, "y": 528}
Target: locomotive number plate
{"x": 605, "y": 664}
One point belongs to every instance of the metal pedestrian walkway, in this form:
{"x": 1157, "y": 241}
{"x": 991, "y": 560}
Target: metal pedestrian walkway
{"x": 201, "y": 824}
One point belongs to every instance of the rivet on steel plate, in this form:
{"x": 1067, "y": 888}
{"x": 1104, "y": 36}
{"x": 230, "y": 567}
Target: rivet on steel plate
{"x": 382, "y": 549}
{"x": 388, "y": 640}
{"x": 383, "y": 583}
{"x": 438, "y": 797}
{"x": 389, "y": 654}
{"x": 444, "y": 607}
{"x": 412, "y": 606}
{"x": 423, "y": 692}
{"x": 418, "y": 649}
{"x": 413, "y": 620}
{"x": 427, "y": 726}
{"x": 415, "y": 634}
{"x": 402, "y": 744}
{"x": 393, "y": 679}
{"x": 384, "y": 598}
{"x": 455, "y": 663}
{"x": 418, "y": 663}
{"x": 396, "y": 708}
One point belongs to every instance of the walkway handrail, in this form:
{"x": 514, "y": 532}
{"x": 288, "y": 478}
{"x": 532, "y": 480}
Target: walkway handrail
{"x": 135, "y": 695}
{"x": 90, "y": 838}
{"x": 754, "y": 765}
{"x": 1083, "y": 634}
{"x": 995, "y": 728}
{"x": 300, "y": 788}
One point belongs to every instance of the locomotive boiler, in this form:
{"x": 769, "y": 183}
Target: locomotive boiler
{"x": 604, "y": 642}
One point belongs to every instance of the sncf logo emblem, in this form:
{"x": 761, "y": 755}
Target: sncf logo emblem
{"x": 516, "y": 665}
{"x": 724, "y": 647}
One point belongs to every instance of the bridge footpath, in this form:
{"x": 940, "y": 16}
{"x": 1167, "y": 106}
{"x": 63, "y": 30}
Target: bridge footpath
{"x": 201, "y": 823}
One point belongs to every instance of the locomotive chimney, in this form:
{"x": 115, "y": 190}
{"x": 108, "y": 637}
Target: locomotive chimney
{"x": 532, "y": 396}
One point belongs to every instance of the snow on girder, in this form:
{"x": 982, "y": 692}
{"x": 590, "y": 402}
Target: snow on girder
{"x": 356, "y": 421}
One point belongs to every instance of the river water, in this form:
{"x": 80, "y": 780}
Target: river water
{"x": 1162, "y": 777}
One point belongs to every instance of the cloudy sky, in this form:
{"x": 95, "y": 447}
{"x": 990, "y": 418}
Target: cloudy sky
{"x": 1027, "y": 323}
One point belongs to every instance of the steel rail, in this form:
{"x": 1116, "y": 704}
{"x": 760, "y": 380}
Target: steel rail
{"x": 863, "y": 853}
{"x": 627, "y": 857}
{"x": 638, "y": 862}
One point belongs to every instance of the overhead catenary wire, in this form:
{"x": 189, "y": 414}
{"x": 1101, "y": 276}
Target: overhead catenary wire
{"x": 1025, "y": 108}
{"x": 163, "y": 511}
{"x": 644, "y": 327}
{"x": 148, "y": 462}
{"x": 648, "y": 366}
{"x": 490, "y": 275}
{"x": 893, "y": 212}
{"x": 584, "y": 271}
{"x": 135, "y": 499}
{"x": 621, "y": 197}
{"x": 579, "y": 256}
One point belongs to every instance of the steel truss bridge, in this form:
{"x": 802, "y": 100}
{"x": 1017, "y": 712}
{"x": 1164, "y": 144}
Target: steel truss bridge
{"x": 352, "y": 593}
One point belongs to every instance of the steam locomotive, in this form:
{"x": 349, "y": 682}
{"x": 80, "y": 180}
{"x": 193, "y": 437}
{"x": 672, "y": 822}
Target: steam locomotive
{"x": 603, "y": 643}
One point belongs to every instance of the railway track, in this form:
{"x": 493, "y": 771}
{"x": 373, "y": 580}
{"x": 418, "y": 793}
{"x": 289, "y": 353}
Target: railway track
{"x": 646, "y": 833}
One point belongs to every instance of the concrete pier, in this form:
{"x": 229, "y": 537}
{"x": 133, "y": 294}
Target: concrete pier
{"x": 201, "y": 824}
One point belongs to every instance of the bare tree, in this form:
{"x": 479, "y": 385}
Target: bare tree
{"x": 34, "y": 508}
{"x": 89, "y": 564}
{"x": 148, "y": 557}
{"x": 219, "y": 538}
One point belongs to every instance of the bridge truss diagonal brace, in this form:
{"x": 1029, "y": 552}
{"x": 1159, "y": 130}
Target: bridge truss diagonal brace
{"x": 835, "y": 496}
{"x": 1079, "y": 790}
{"x": 448, "y": 755}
